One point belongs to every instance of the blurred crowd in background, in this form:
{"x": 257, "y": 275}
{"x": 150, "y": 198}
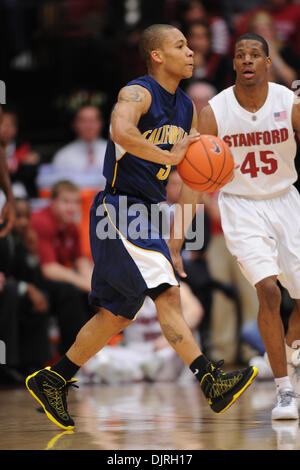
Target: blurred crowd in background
{"x": 63, "y": 62}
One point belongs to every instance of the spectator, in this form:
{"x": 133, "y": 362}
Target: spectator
{"x": 284, "y": 61}
{"x": 200, "y": 93}
{"x": 67, "y": 272}
{"x": 145, "y": 353}
{"x": 24, "y": 259}
{"x": 9, "y": 328}
{"x": 58, "y": 238}
{"x": 88, "y": 150}
{"x": 21, "y": 160}
{"x": 208, "y": 65}
{"x": 286, "y": 16}
{"x": 192, "y": 11}
{"x": 232, "y": 9}
{"x": 24, "y": 306}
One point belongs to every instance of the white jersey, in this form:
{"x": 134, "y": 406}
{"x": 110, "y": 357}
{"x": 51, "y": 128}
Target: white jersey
{"x": 262, "y": 143}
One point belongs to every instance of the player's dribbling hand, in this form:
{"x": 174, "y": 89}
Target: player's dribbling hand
{"x": 179, "y": 149}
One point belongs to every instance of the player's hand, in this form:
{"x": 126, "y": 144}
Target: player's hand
{"x": 7, "y": 218}
{"x": 177, "y": 261}
{"x": 179, "y": 149}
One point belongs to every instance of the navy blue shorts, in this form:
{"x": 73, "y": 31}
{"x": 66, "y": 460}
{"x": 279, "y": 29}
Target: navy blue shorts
{"x": 131, "y": 258}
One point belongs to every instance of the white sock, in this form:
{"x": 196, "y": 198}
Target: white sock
{"x": 283, "y": 382}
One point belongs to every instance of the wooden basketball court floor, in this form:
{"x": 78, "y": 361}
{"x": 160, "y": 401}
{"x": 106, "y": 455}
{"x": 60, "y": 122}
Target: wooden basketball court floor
{"x": 147, "y": 417}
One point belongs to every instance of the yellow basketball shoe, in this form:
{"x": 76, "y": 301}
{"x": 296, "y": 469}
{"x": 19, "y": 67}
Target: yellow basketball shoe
{"x": 50, "y": 390}
{"x": 222, "y": 389}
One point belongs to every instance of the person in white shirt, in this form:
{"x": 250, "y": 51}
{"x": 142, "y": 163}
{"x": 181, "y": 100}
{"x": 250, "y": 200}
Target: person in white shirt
{"x": 88, "y": 150}
{"x": 260, "y": 207}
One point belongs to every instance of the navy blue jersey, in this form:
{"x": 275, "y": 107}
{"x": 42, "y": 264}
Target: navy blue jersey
{"x": 167, "y": 121}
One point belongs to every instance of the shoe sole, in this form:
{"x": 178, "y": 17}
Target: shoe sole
{"x": 232, "y": 399}
{"x": 48, "y": 414}
{"x": 285, "y": 417}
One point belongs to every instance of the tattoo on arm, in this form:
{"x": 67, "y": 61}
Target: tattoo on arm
{"x": 171, "y": 334}
{"x": 131, "y": 94}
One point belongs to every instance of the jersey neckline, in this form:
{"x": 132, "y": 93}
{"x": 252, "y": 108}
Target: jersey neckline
{"x": 248, "y": 115}
{"x": 172, "y": 95}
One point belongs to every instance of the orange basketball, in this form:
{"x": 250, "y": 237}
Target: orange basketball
{"x": 207, "y": 165}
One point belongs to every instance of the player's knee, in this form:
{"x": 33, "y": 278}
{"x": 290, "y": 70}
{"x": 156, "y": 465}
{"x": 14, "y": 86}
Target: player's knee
{"x": 117, "y": 322}
{"x": 269, "y": 294}
{"x": 170, "y": 297}
{"x": 123, "y": 322}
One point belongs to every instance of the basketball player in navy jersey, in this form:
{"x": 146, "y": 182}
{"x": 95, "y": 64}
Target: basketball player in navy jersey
{"x": 152, "y": 125}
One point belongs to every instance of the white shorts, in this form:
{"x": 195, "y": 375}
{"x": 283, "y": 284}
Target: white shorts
{"x": 264, "y": 236}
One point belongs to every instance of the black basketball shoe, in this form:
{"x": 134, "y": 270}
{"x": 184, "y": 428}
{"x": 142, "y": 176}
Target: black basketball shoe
{"x": 50, "y": 390}
{"x": 222, "y": 389}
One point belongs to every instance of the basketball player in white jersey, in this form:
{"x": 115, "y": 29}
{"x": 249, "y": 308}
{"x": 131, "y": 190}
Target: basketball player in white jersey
{"x": 260, "y": 207}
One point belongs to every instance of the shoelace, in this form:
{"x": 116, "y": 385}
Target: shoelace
{"x": 218, "y": 364}
{"x": 57, "y": 397}
{"x": 215, "y": 366}
{"x": 285, "y": 397}
{"x": 220, "y": 385}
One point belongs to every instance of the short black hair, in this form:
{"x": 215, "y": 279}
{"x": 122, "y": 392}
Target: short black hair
{"x": 152, "y": 38}
{"x": 255, "y": 37}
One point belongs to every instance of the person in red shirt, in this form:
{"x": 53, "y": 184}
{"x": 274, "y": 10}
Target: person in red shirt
{"x": 59, "y": 240}
{"x": 66, "y": 271}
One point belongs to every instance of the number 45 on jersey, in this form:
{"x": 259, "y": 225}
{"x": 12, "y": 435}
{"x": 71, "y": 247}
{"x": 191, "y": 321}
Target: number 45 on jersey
{"x": 251, "y": 162}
